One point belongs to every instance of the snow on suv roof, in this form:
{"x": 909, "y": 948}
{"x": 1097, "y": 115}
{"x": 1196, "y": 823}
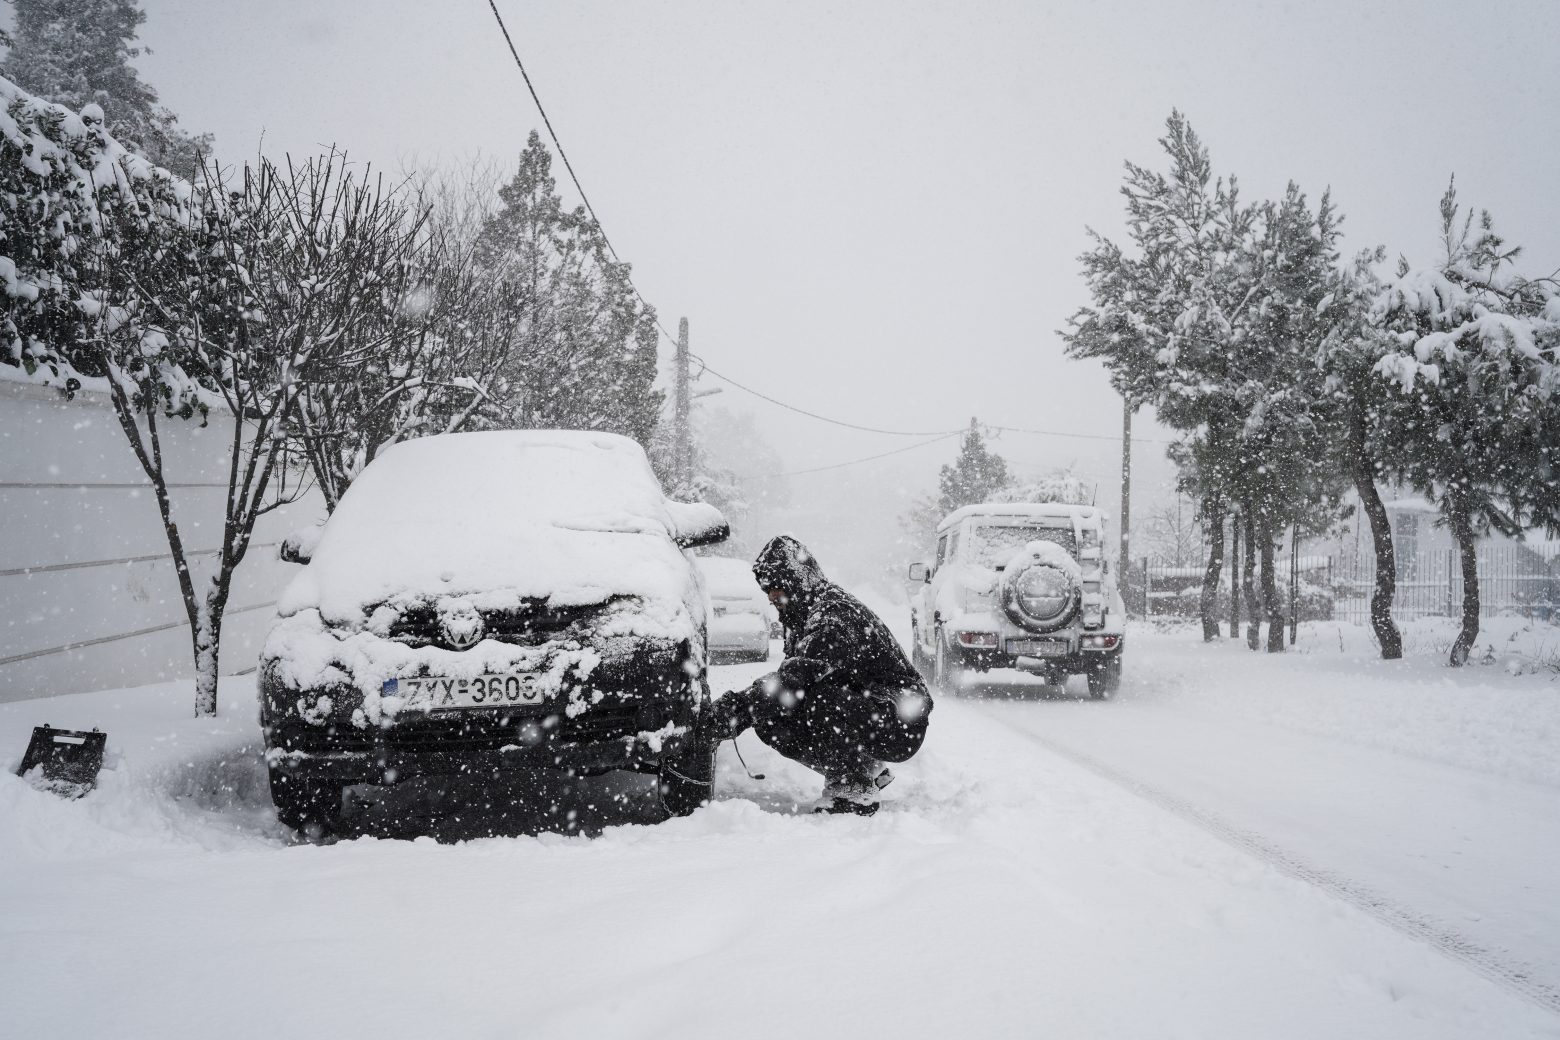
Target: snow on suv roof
{"x": 1042, "y": 510}
{"x": 573, "y": 517}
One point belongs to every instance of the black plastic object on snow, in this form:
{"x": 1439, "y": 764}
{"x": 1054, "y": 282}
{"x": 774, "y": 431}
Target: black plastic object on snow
{"x": 70, "y": 759}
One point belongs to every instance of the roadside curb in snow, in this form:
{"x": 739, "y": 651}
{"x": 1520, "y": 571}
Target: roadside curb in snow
{"x": 1468, "y": 953}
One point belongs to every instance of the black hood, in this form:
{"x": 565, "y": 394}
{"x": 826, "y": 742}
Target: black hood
{"x": 785, "y": 564}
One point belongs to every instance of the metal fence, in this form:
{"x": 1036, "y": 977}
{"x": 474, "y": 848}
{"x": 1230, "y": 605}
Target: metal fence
{"x": 1513, "y": 580}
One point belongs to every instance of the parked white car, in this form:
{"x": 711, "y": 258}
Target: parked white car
{"x": 740, "y": 616}
{"x": 1019, "y": 585}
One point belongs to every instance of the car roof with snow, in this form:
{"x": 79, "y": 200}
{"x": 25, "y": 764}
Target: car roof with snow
{"x": 1072, "y": 514}
{"x": 728, "y": 578}
{"x": 574, "y": 518}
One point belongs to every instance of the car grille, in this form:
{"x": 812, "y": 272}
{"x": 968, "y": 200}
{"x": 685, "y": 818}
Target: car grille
{"x": 531, "y": 624}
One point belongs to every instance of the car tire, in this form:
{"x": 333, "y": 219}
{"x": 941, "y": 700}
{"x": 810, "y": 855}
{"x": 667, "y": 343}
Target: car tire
{"x": 918, "y": 656}
{"x": 1105, "y": 678}
{"x": 309, "y": 805}
{"x": 686, "y": 780}
{"x": 947, "y": 670}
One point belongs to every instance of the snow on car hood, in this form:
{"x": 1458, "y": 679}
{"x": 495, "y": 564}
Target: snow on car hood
{"x": 569, "y": 517}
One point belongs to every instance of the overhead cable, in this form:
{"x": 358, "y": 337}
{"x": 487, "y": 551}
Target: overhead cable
{"x": 854, "y": 462}
{"x": 937, "y": 434}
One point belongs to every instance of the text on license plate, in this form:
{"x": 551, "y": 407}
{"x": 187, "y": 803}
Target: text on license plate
{"x": 485, "y": 691}
{"x": 1038, "y": 647}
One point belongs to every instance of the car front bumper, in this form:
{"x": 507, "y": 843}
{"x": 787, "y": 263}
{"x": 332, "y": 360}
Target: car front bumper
{"x": 637, "y": 715}
{"x": 370, "y": 760}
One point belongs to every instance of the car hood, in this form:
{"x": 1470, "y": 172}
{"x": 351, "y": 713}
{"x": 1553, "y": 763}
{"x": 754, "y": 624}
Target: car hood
{"x": 567, "y": 518}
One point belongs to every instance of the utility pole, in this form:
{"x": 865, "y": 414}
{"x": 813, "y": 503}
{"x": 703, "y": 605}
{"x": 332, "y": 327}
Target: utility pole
{"x": 1126, "y": 494}
{"x": 681, "y": 435}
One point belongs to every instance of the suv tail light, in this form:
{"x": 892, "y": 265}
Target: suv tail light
{"x": 1100, "y": 642}
{"x": 978, "y": 640}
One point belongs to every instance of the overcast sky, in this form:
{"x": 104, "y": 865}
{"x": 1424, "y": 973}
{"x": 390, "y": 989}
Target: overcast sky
{"x": 873, "y": 209}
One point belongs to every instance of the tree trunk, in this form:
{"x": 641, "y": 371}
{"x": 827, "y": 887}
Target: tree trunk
{"x": 1248, "y": 585}
{"x": 1467, "y": 550}
{"x": 207, "y": 633}
{"x": 1209, "y": 603}
{"x": 1235, "y": 576}
{"x": 1363, "y": 474}
{"x": 1275, "y": 605}
{"x": 1294, "y": 588}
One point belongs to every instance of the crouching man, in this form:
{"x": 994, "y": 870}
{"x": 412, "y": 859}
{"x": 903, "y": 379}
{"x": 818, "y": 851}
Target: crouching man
{"x": 844, "y": 700}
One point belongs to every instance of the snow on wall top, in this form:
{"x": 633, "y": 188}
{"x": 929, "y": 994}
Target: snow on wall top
{"x": 568, "y": 516}
{"x": 1087, "y": 515}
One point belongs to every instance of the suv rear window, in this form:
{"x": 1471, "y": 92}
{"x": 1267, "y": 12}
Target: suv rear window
{"x": 991, "y": 544}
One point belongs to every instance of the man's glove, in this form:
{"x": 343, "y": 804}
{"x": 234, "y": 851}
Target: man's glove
{"x": 729, "y": 715}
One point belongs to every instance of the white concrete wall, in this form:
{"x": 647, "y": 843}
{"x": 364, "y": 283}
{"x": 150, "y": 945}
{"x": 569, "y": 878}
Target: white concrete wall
{"x": 88, "y": 595}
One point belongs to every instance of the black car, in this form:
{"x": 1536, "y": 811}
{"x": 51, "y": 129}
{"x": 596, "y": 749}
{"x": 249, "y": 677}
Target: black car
{"x": 486, "y": 602}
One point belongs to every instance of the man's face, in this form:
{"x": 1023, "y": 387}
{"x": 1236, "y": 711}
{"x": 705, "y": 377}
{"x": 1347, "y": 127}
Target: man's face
{"x": 777, "y": 597}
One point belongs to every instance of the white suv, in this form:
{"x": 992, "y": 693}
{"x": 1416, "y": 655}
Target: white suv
{"x": 1019, "y": 585}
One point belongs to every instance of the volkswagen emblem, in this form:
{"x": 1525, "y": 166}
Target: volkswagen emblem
{"x": 462, "y": 626}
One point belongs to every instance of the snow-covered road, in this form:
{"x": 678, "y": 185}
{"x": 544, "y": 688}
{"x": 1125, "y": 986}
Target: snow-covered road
{"x": 1046, "y": 866}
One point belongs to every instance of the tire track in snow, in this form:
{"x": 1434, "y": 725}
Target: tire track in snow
{"x": 1407, "y": 922}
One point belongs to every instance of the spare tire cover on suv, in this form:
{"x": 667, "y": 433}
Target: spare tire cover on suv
{"x": 1039, "y": 593}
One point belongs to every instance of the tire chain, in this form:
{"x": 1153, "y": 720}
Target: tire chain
{"x": 1466, "y": 952}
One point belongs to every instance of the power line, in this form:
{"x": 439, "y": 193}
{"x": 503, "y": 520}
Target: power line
{"x": 553, "y": 134}
{"x": 823, "y": 418}
{"x": 1084, "y": 436}
{"x": 855, "y": 462}
{"x": 567, "y": 165}
{"x": 937, "y": 434}
{"x": 705, "y": 366}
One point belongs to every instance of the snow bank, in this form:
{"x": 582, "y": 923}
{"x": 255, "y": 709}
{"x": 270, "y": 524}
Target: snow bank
{"x": 1500, "y": 714}
{"x": 1001, "y": 892}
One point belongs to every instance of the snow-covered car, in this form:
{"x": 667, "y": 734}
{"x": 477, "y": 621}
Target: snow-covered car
{"x": 483, "y": 602}
{"x": 1019, "y": 585}
{"x": 740, "y": 616}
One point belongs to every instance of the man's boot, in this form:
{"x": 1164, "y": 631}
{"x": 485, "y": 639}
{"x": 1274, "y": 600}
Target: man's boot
{"x": 857, "y": 792}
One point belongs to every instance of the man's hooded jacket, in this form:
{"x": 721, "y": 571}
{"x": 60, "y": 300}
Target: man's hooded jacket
{"x": 835, "y": 647}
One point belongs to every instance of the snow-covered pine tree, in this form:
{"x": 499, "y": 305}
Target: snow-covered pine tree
{"x": 1212, "y": 319}
{"x": 1473, "y": 349}
{"x": 583, "y": 354}
{"x": 1284, "y": 474}
{"x": 78, "y": 53}
{"x": 1165, "y": 318}
{"x": 977, "y": 475}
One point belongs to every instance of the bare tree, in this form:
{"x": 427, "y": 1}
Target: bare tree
{"x": 430, "y": 334}
{"x": 1174, "y": 533}
{"x": 197, "y": 299}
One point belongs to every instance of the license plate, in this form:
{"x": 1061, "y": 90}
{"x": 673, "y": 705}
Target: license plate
{"x": 1038, "y": 647}
{"x": 485, "y": 691}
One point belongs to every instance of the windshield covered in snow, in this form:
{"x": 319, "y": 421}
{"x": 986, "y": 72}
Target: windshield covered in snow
{"x": 990, "y": 545}
{"x": 730, "y": 580}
